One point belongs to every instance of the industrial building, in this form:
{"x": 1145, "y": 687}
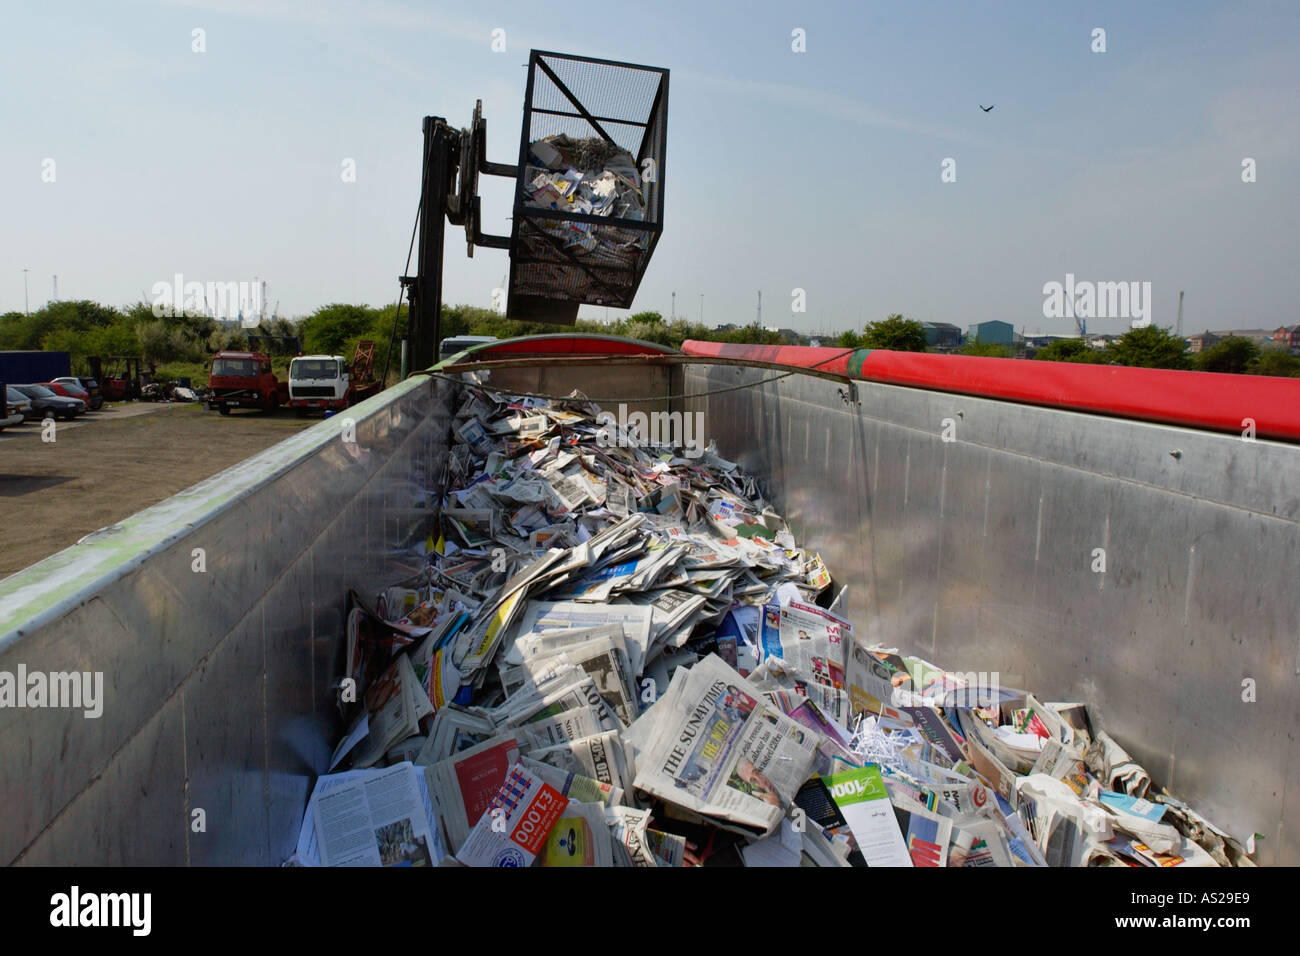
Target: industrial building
{"x": 993, "y": 331}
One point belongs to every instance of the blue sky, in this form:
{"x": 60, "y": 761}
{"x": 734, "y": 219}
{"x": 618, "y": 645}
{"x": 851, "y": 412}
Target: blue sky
{"x": 817, "y": 170}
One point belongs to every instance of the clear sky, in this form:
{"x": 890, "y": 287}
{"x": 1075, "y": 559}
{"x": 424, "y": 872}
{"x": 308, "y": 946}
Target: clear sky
{"x": 817, "y": 170}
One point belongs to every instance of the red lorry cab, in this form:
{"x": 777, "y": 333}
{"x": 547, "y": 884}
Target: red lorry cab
{"x": 244, "y": 380}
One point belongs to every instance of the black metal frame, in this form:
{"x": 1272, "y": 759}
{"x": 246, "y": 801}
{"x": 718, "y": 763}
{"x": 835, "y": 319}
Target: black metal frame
{"x": 655, "y": 124}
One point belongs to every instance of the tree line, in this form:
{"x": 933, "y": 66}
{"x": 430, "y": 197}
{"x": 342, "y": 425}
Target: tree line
{"x": 183, "y": 343}
{"x": 84, "y": 329}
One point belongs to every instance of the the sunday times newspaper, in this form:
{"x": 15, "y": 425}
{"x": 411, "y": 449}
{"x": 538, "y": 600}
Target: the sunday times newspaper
{"x": 719, "y": 749}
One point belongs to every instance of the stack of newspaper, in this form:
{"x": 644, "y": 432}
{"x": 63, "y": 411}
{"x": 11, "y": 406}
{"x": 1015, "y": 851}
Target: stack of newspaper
{"x": 614, "y": 653}
{"x": 592, "y": 178}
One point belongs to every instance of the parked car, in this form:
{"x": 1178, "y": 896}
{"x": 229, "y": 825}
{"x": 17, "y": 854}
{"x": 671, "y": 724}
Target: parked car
{"x": 89, "y": 386}
{"x": 67, "y": 391}
{"x": 20, "y": 403}
{"x": 51, "y": 404}
{"x": 10, "y": 413}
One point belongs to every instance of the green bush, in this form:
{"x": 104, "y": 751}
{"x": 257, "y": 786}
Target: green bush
{"x": 985, "y": 349}
{"x": 1069, "y": 350}
{"x": 894, "y": 333}
{"x": 1149, "y": 347}
{"x": 1232, "y": 354}
{"x": 1280, "y": 362}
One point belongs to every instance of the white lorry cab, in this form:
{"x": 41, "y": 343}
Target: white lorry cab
{"x": 318, "y": 381}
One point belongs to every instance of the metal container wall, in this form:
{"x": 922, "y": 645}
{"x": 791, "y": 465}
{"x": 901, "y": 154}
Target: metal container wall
{"x": 977, "y": 553}
{"x": 217, "y": 691}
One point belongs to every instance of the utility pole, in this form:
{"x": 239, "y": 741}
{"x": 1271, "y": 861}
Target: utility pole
{"x": 759, "y": 320}
{"x": 701, "y": 308}
{"x": 26, "y": 310}
{"x": 1179, "y": 331}
{"x": 674, "y": 306}
{"x": 56, "y": 289}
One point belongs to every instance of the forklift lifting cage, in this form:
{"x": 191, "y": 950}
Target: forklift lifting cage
{"x": 594, "y": 109}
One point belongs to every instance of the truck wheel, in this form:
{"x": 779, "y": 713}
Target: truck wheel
{"x": 223, "y": 409}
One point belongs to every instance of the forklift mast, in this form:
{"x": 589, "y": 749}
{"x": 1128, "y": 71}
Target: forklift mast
{"x": 453, "y": 160}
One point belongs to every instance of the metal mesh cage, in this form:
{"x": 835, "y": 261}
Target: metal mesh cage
{"x": 588, "y": 206}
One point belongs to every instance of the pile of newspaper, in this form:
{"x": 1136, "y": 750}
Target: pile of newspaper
{"x": 615, "y": 653}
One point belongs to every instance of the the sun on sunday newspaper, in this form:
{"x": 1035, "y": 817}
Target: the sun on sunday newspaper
{"x": 718, "y": 748}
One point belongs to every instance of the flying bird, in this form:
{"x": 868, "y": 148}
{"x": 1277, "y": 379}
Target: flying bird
{"x": 987, "y": 108}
